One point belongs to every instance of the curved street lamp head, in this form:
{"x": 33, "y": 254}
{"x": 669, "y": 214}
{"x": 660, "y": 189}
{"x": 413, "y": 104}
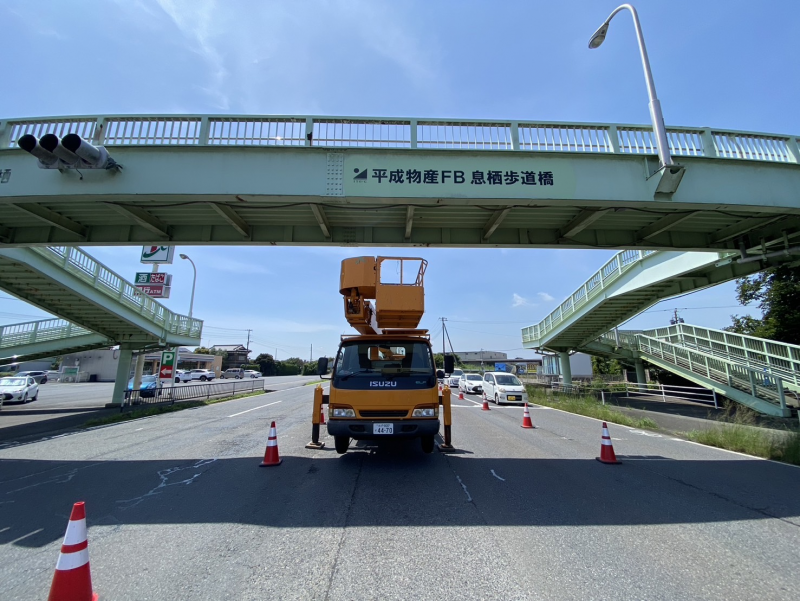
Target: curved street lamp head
{"x": 182, "y": 256}
{"x": 598, "y": 37}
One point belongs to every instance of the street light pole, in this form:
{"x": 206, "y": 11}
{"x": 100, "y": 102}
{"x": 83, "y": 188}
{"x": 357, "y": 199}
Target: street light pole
{"x": 194, "y": 281}
{"x": 655, "y": 106}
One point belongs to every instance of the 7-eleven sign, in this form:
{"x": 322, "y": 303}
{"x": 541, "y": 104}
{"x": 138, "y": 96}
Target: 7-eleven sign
{"x": 167, "y": 369}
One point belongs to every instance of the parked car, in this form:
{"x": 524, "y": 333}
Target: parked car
{"x": 233, "y": 372}
{"x": 18, "y": 388}
{"x": 149, "y": 386}
{"x": 178, "y": 374}
{"x": 502, "y": 387}
{"x": 197, "y": 374}
{"x": 53, "y": 375}
{"x": 470, "y": 383}
{"x": 251, "y": 373}
{"x": 39, "y": 376}
{"x": 455, "y": 377}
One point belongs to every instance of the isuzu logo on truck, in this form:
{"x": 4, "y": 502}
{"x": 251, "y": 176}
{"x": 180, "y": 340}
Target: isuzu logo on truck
{"x": 382, "y": 384}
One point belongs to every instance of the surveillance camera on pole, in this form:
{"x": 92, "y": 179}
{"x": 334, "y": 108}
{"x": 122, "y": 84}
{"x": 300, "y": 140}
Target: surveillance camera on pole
{"x": 69, "y": 152}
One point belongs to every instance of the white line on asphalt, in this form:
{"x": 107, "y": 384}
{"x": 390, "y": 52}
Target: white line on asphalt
{"x": 254, "y": 408}
{"x": 496, "y": 476}
{"x": 469, "y": 499}
{"x": 137, "y": 429}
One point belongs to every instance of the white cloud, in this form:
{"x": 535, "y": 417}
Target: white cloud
{"x": 520, "y": 301}
{"x": 545, "y": 297}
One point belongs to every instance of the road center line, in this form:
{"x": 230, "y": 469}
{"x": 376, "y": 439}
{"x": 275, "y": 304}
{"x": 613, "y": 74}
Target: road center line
{"x": 254, "y": 408}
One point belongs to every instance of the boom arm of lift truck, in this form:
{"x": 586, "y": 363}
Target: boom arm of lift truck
{"x": 382, "y": 306}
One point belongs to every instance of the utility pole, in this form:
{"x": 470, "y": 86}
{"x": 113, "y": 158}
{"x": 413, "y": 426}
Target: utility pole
{"x": 248, "y": 340}
{"x": 444, "y": 319}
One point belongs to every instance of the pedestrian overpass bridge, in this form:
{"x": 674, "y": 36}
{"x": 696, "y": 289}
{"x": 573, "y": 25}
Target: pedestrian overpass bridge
{"x": 751, "y": 371}
{"x": 353, "y": 181}
{"x": 96, "y": 308}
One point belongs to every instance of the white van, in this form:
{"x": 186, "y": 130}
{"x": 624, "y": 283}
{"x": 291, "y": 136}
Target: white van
{"x": 502, "y": 387}
{"x": 233, "y": 372}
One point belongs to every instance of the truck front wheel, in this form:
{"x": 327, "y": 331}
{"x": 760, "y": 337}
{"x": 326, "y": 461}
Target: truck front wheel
{"x": 341, "y": 442}
{"x": 427, "y": 443}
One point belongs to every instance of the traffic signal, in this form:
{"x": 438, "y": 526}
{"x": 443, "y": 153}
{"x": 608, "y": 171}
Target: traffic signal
{"x": 69, "y": 152}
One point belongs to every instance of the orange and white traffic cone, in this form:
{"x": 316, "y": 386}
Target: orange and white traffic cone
{"x": 485, "y": 403}
{"x": 73, "y": 579}
{"x": 322, "y": 416}
{"x": 271, "y": 457}
{"x": 460, "y": 396}
{"x": 526, "y": 418}
{"x": 606, "y": 448}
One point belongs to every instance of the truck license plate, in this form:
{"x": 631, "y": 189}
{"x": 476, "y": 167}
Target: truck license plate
{"x": 383, "y": 428}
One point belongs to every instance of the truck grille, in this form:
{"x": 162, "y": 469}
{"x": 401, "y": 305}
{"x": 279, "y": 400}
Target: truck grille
{"x": 385, "y": 413}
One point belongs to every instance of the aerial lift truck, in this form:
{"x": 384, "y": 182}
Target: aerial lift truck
{"x": 383, "y": 382}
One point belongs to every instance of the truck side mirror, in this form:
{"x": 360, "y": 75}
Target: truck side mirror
{"x": 322, "y": 366}
{"x": 449, "y": 364}
{"x": 440, "y": 373}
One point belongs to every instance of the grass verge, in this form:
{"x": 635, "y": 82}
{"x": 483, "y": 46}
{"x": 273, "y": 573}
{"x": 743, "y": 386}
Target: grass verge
{"x": 148, "y": 411}
{"x": 588, "y": 406}
{"x": 740, "y": 435}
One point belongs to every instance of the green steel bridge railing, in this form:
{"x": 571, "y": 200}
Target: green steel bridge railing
{"x": 613, "y": 269}
{"x": 113, "y": 286}
{"x": 43, "y": 330}
{"x": 412, "y": 133}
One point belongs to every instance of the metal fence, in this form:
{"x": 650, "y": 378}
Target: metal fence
{"x": 383, "y": 132}
{"x": 661, "y": 392}
{"x": 176, "y": 394}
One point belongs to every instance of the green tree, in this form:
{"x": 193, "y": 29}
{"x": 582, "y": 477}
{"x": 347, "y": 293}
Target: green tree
{"x": 266, "y": 364}
{"x": 606, "y": 366}
{"x": 777, "y": 292}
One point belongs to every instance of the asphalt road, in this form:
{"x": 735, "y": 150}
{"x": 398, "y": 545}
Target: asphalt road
{"x": 179, "y": 509}
{"x": 63, "y": 406}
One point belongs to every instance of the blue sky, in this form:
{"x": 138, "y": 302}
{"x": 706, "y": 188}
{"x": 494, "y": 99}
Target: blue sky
{"x": 728, "y": 64}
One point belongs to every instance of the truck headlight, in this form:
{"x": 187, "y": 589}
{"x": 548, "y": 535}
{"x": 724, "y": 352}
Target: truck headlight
{"x": 341, "y": 412}
{"x": 425, "y": 412}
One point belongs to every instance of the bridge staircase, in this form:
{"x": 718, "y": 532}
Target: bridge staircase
{"x": 758, "y": 373}
{"x": 45, "y": 338}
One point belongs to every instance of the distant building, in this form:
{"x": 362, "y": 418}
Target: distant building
{"x": 237, "y": 354}
{"x": 478, "y": 356}
{"x": 580, "y": 365}
{"x": 100, "y": 365}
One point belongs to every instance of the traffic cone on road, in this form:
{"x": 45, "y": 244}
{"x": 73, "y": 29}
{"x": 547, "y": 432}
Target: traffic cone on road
{"x": 73, "y": 579}
{"x": 526, "y": 418}
{"x": 606, "y": 448}
{"x": 322, "y": 416}
{"x": 271, "y": 457}
{"x": 460, "y": 396}
{"x": 485, "y": 403}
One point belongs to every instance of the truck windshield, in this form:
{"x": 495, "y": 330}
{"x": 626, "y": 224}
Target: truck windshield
{"x": 391, "y": 358}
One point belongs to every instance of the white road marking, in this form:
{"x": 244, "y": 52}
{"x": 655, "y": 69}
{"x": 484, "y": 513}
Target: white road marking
{"x": 469, "y": 498}
{"x": 137, "y": 429}
{"x": 254, "y": 408}
{"x": 496, "y": 476}
{"x": 643, "y": 433}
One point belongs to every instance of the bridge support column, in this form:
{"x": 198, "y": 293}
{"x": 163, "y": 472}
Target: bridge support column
{"x": 641, "y": 377}
{"x": 121, "y": 379}
{"x": 565, "y": 368}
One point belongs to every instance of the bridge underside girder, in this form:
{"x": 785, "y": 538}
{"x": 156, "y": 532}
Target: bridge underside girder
{"x": 268, "y": 196}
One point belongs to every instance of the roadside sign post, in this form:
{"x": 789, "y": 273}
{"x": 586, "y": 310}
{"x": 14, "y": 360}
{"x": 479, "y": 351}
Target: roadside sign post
{"x": 167, "y": 368}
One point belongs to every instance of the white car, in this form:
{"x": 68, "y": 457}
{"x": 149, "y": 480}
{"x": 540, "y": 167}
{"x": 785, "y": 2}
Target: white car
{"x": 251, "y": 373}
{"x": 18, "y": 388}
{"x": 197, "y": 374}
{"x": 501, "y": 387}
{"x": 471, "y": 383}
{"x": 455, "y": 377}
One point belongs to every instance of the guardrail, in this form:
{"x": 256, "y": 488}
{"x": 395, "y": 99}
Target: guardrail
{"x": 82, "y": 265}
{"x": 43, "y": 330}
{"x": 613, "y": 269}
{"x": 177, "y": 393}
{"x": 663, "y": 392}
{"x": 378, "y": 132}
